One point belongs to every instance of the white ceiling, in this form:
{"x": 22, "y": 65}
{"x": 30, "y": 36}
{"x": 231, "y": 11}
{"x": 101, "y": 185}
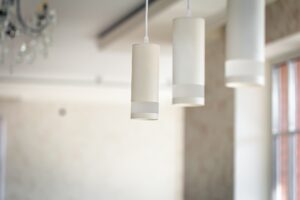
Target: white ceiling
{"x": 75, "y": 57}
{"x": 75, "y": 53}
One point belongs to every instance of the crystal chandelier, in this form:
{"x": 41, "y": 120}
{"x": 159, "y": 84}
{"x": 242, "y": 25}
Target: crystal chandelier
{"x": 21, "y": 41}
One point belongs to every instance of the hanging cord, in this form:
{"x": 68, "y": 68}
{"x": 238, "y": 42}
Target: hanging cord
{"x": 188, "y": 8}
{"x": 146, "y": 38}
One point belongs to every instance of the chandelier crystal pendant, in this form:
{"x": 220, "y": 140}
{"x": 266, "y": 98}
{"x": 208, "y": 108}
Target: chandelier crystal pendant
{"x": 145, "y": 78}
{"x": 245, "y": 43}
{"x": 21, "y": 41}
{"x": 189, "y": 60}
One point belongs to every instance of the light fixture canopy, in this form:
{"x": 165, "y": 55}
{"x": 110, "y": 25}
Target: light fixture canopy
{"x": 145, "y": 78}
{"x": 188, "y": 60}
{"x": 245, "y": 43}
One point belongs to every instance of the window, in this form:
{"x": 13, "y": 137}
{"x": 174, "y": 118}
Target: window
{"x": 286, "y": 126}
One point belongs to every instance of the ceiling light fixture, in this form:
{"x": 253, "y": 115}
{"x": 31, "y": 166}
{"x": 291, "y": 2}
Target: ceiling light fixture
{"x": 145, "y": 78}
{"x": 29, "y": 38}
{"x": 189, "y": 60}
{"x": 245, "y": 43}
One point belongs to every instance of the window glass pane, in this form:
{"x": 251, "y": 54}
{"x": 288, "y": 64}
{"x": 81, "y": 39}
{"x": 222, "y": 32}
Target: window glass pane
{"x": 283, "y": 99}
{"x": 284, "y": 169}
{"x": 275, "y": 101}
{"x": 292, "y": 96}
{"x": 283, "y": 127}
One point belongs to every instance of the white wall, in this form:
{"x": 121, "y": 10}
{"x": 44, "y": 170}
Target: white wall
{"x": 94, "y": 152}
{"x": 252, "y": 168}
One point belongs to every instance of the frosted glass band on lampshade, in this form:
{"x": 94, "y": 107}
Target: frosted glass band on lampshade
{"x": 244, "y": 73}
{"x": 188, "y": 61}
{"x": 245, "y": 43}
{"x": 145, "y": 81}
{"x": 144, "y": 110}
{"x": 188, "y": 95}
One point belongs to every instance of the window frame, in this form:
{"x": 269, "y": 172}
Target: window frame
{"x": 292, "y": 132}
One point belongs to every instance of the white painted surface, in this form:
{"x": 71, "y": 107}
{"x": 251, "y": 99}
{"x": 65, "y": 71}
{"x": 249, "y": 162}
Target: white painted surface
{"x": 93, "y": 151}
{"x": 283, "y": 49}
{"x": 252, "y": 143}
{"x": 76, "y": 54}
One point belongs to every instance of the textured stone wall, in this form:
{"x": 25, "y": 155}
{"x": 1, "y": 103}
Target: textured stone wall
{"x": 209, "y": 134}
{"x": 282, "y": 19}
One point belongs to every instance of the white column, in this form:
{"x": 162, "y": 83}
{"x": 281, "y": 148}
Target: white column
{"x": 253, "y": 143}
{"x": 2, "y": 158}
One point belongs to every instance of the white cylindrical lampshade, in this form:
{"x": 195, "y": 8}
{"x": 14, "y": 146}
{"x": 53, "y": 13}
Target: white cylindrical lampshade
{"x": 145, "y": 81}
{"x": 188, "y": 61}
{"x": 245, "y": 43}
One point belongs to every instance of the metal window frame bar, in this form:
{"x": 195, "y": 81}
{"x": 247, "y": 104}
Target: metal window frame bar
{"x": 275, "y": 131}
{"x": 292, "y": 187}
{"x": 275, "y": 100}
{"x": 276, "y": 163}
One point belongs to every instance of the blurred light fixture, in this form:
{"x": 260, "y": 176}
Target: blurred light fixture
{"x": 21, "y": 41}
{"x": 245, "y": 43}
{"x": 189, "y": 60}
{"x": 145, "y": 78}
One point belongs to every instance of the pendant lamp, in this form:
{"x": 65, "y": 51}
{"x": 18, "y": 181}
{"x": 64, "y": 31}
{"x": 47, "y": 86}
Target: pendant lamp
{"x": 188, "y": 60}
{"x": 145, "y": 78}
{"x": 245, "y": 43}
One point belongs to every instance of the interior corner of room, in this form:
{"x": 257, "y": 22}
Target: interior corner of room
{"x": 214, "y": 84}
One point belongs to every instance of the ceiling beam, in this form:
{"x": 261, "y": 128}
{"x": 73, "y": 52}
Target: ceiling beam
{"x": 131, "y": 20}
